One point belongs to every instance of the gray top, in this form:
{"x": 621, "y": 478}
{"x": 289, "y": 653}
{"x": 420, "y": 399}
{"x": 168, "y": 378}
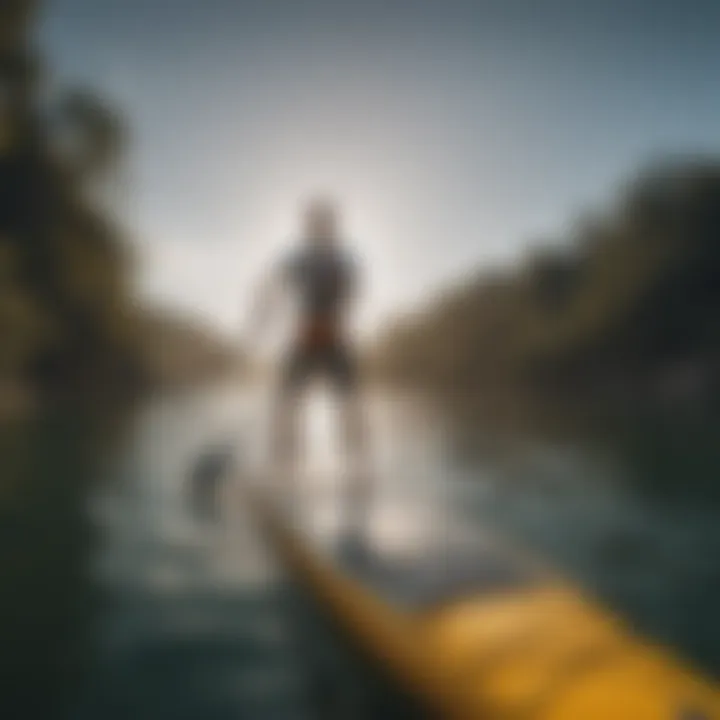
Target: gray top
{"x": 322, "y": 278}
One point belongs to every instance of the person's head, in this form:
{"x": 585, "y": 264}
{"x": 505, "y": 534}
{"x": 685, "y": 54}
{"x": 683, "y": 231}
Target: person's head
{"x": 321, "y": 223}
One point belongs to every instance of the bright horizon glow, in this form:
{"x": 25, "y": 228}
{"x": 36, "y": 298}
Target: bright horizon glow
{"x": 217, "y": 278}
{"x": 225, "y": 271}
{"x": 455, "y": 135}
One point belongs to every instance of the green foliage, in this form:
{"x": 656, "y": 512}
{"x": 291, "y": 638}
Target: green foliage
{"x": 64, "y": 294}
{"x": 67, "y": 317}
{"x": 628, "y": 306}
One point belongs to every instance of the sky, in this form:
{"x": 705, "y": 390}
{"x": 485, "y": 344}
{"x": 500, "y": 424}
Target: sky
{"x": 455, "y": 134}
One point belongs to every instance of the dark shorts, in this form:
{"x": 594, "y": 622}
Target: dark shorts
{"x": 335, "y": 363}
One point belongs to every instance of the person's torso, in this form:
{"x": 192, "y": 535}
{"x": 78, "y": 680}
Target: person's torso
{"x": 320, "y": 279}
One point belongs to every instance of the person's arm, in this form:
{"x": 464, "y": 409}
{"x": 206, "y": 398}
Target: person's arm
{"x": 350, "y": 291}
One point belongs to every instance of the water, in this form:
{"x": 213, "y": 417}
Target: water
{"x": 170, "y": 616}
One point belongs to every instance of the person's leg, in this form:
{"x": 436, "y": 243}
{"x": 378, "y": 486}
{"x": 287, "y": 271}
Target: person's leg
{"x": 354, "y": 431}
{"x": 354, "y": 434}
{"x": 284, "y": 445}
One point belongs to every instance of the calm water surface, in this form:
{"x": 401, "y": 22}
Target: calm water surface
{"x": 184, "y": 618}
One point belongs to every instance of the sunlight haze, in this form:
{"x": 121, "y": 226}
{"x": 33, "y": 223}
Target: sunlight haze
{"x": 453, "y": 134}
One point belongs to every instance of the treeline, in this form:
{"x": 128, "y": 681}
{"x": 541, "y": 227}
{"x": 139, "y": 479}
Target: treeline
{"x": 68, "y": 321}
{"x": 176, "y": 351}
{"x": 622, "y": 314}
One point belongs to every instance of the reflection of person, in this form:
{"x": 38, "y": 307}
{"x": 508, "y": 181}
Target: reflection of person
{"x": 321, "y": 277}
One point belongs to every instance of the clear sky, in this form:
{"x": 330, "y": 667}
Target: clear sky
{"x": 454, "y": 132}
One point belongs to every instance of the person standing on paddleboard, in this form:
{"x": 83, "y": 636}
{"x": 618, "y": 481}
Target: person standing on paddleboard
{"x": 321, "y": 277}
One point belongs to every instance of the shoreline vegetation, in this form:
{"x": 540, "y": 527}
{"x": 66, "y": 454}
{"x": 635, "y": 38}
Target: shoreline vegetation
{"x": 77, "y": 352}
{"x": 70, "y": 326}
{"x": 618, "y": 320}
{"x": 611, "y": 335}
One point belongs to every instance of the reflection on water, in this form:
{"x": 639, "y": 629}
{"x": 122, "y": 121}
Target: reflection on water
{"x": 161, "y": 614}
{"x": 655, "y": 563}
